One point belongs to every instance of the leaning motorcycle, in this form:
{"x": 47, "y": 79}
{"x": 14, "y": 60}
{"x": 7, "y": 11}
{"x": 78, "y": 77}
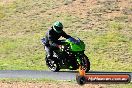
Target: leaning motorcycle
{"x": 69, "y": 56}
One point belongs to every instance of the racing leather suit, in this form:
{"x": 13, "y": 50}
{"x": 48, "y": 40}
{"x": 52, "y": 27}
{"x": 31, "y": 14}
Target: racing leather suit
{"x": 52, "y": 41}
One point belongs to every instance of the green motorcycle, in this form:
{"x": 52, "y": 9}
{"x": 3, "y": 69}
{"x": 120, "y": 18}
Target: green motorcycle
{"x": 69, "y": 56}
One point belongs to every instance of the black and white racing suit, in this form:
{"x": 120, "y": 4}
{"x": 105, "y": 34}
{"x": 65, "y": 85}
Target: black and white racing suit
{"x": 52, "y": 41}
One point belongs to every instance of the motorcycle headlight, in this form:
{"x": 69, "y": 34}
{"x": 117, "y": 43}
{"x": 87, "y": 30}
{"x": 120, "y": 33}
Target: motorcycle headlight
{"x": 62, "y": 47}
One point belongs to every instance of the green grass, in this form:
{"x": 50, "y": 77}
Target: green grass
{"x": 24, "y": 23}
{"x": 35, "y": 80}
{"x": 120, "y": 85}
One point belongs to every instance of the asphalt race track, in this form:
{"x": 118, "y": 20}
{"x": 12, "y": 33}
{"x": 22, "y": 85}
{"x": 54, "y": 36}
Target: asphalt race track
{"x": 62, "y": 75}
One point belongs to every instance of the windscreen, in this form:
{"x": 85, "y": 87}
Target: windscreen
{"x": 76, "y": 41}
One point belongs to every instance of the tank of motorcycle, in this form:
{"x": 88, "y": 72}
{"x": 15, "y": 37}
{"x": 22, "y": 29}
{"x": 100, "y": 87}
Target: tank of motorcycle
{"x": 75, "y": 44}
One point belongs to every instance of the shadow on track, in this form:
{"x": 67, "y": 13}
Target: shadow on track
{"x": 74, "y": 71}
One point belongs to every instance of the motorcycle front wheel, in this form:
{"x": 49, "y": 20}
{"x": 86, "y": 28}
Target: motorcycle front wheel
{"x": 86, "y": 63}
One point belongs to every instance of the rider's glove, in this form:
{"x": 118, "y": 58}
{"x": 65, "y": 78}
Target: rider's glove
{"x": 59, "y": 46}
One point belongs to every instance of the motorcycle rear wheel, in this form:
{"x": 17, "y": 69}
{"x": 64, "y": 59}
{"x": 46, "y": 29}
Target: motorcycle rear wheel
{"x": 52, "y": 65}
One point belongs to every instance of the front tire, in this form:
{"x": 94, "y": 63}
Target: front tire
{"x": 86, "y": 63}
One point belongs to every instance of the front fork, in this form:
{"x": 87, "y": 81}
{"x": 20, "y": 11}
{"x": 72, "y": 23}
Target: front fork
{"x": 79, "y": 61}
{"x": 82, "y": 68}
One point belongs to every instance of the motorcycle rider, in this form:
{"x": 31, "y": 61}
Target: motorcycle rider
{"x": 52, "y": 36}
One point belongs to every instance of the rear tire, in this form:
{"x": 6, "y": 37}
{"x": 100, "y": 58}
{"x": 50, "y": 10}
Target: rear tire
{"x": 53, "y": 65}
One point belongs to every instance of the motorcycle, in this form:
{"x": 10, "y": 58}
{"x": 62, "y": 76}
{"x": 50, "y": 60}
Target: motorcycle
{"x": 69, "y": 56}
